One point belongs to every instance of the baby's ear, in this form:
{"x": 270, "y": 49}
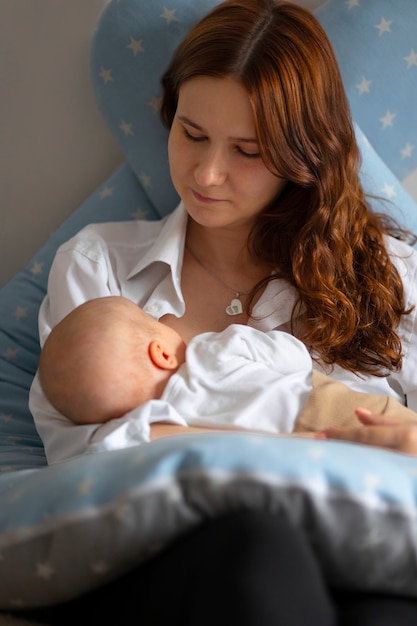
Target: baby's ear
{"x": 162, "y": 357}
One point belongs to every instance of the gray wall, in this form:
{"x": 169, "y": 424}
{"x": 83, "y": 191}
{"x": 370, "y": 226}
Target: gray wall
{"x": 54, "y": 147}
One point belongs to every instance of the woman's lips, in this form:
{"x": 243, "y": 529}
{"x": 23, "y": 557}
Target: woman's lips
{"x": 202, "y": 198}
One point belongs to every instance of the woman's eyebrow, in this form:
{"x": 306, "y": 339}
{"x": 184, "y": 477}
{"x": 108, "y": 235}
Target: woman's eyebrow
{"x": 186, "y": 120}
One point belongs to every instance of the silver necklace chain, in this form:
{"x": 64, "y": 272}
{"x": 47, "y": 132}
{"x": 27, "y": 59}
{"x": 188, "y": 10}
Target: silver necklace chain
{"x": 213, "y": 275}
{"x": 235, "y": 307}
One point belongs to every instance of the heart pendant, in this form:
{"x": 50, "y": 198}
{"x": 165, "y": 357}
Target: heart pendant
{"x": 235, "y": 307}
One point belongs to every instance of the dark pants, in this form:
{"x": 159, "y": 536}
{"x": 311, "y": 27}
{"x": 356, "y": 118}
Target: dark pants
{"x": 245, "y": 569}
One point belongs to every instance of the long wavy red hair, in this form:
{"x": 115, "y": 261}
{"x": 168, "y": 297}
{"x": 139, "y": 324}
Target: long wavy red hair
{"x": 320, "y": 234}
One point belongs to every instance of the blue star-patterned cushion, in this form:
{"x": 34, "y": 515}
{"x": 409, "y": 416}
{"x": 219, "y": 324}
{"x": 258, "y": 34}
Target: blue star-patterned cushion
{"x": 67, "y": 528}
{"x": 130, "y": 51}
{"x": 376, "y": 45}
{"x": 133, "y": 36}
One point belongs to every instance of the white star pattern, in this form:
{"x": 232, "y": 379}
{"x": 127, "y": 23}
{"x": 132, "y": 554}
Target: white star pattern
{"x": 135, "y": 45}
{"x": 363, "y": 86}
{"x": 106, "y": 75}
{"x": 139, "y": 214}
{"x": 372, "y": 481}
{"x": 19, "y": 493}
{"x": 407, "y": 151}
{"x": 155, "y": 103}
{"x": 20, "y": 312}
{"x": 10, "y": 354}
{"x": 126, "y": 128}
{"x": 139, "y": 458}
{"x": 412, "y": 470}
{"x": 99, "y": 568}
{"x": 388, "y": 190}
{"x": 145, "y": 179}
{"x": 17, "y": 603}
{"x": 174, "y": 494}
{"x": 106, "y": 192}
{"x": 388, "y": 119}
{"x": 411, "y": 59}
{"x": 316, "y": 452}
{"x": 36, "y": 269}
{"x": 44, "y": 570}
{"x": 384, "y": 26}
{"x": 383, "y": 89}
{"x": 169, "y": 15}
{"x": 371, "y": 540}
{"x": 124, "y": 512}
{"x": 154, "y": 547}
{"x": 84, "y": 486}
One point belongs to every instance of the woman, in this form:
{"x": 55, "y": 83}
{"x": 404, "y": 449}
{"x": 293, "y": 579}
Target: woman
{"x": 273, "y": 231}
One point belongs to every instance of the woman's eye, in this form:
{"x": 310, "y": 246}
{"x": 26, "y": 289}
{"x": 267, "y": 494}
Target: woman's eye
{"x": 191, "y": 137}
{"x": 201, "y": 138}
{"x": 249, "y": 155}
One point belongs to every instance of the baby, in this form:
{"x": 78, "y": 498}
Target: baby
{"x": 108, "y": 357}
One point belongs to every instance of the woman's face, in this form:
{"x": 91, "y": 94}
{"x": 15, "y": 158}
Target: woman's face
{"x": 214, "y": 155}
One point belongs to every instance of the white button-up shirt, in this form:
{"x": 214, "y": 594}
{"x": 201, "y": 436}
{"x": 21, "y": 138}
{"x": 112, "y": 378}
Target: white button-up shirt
{"x": 142, "y": 260}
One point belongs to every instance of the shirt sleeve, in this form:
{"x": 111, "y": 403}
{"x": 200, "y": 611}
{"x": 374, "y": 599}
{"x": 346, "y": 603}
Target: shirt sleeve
{"x": 63, "y": 440}
{"x": 102, "y": 260}
{"x": 405, "y": 259}
{"x": 79, "y": 272}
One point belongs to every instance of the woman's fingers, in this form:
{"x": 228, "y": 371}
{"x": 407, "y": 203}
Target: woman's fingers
{"x": 401, "y": 437}
{"x": 372, "y": 419}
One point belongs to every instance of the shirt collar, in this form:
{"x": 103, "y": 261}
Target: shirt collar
{"x": 273, "y": 309}
{"x": 168, "y": 246}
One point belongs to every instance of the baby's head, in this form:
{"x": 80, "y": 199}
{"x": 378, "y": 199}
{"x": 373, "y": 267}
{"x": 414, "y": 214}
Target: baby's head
{"x": 105, "y": 358}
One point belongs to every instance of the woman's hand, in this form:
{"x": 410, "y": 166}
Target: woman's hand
{"x": 379, "y": 431}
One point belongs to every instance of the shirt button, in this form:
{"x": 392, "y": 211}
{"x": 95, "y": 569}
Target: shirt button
{"x": 152, "y": 308}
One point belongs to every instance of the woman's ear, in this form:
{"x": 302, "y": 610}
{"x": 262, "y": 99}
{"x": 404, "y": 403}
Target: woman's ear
{"x": 161, "y": 357}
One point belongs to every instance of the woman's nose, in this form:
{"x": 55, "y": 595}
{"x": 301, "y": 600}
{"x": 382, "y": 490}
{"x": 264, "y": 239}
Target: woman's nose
{"x": 211, "y": 168}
